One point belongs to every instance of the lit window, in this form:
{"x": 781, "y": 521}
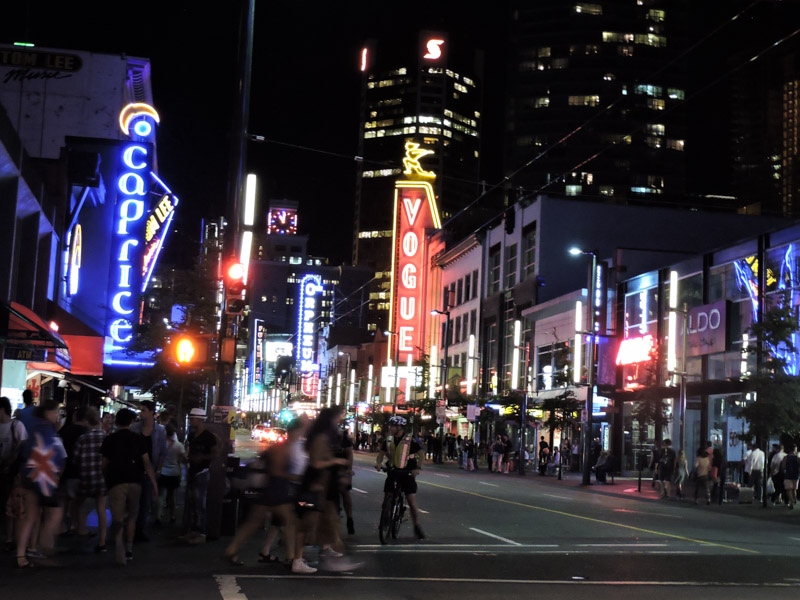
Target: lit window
{"x": 675, "y": 94}
{"x": 606, "y": 190}
{"x": 572, "y": 190}
{"x": 585, "y": 8}
{"x": 541, "y": 102}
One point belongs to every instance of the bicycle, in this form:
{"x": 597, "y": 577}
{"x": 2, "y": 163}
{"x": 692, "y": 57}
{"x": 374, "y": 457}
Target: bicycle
{"x": 392, "y": 512}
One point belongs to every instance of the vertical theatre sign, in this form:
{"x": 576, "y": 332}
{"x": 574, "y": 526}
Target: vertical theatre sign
{"x": 131, "y": 189}
{"x": 415, "y": 212}
{"x": 308, "y": 310}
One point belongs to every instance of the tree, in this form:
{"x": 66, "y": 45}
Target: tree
{"x": 777, "y": 391}
{"x": 651, "y": 409}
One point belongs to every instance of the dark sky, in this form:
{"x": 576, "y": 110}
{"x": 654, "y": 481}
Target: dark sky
{"x": 304, "y": 100}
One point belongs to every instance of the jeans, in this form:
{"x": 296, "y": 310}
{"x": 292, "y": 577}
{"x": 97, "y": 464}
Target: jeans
{"x": 757, "y": 482}
{"x": 145, "y": 506}
{"x": 197, "y": 490}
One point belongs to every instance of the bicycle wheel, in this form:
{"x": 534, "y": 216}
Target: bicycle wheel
{"x": 398, "y": 508}
{"x": 385, "y": 524}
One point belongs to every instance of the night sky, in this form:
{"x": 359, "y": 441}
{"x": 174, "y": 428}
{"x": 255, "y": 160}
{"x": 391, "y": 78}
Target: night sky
{"x": 304, "y": 100}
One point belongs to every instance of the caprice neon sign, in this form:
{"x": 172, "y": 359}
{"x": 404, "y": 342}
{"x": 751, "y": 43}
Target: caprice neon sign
{"x": 129, "y": 220}
{"x": 310, "y": 290}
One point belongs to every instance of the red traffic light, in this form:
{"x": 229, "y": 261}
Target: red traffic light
{"x": 234, "y": 289}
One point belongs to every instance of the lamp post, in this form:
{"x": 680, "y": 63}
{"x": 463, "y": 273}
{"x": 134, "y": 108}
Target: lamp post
{"x": 443, "y": 402}
{"x": 396, "y": 369}
{"x": 590, "y": 331}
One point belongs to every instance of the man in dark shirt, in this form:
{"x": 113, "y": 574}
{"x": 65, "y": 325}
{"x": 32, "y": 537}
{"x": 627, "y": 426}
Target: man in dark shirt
{"x": 202, "y": 447}
{"x": 70, "y": 478}
{"x": 125, "y": 463}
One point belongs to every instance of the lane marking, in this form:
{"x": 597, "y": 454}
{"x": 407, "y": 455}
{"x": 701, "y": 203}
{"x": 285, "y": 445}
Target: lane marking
{"x": 497, "y": 537}
{"x": 489, "y": 484}
{"x": 359, "y": 490}
{"x": 562, "y": 513}
{"x": 620, "y": 545}
{"x": 581, "y": 582}
{"x": 229, "y": 588}
{"x": 557, "y": 496}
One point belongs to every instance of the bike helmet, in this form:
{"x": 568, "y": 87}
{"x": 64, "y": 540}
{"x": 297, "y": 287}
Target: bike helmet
{"x": 401, "y": 421}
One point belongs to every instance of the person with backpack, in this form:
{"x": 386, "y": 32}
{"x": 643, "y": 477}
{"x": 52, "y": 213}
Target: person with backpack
{"x": 791, "y": 473}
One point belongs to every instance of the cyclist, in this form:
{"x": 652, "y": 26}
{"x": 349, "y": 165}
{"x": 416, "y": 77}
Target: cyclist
{"x": 404, "y": 462}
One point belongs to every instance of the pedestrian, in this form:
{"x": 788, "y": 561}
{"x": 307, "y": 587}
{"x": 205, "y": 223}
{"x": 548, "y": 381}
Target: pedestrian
{"x": 169, "y": 481}
{"x": 203, "y": 447}
{"x": 575, "y": 452}
{"x": 73, "y": 429}
{"x": 702, "y": 468}
{"x": 155, "y": 436}
{"x": 498, "y": 450}
{"x": 276, "y": 500}
{"x": 791, "y": 474}
{"x": 12, "y": 438}
{"x": 125, "y": 464}
{"x": 91, "y": 482}
{"x": 757, "y": 471}
{"x": 666, "y": 467}
{"x": 776, "y": 473}
{"x": 681, "y": 473}
{"x": 44, "y": 459}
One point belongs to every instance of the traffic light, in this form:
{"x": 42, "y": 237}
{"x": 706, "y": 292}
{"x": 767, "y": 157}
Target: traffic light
{"x": 190, "y": 350}
{"x": 234, "y": 289}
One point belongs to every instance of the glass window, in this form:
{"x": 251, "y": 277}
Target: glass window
{"x": 473, "y": 321}
{"x": 511, "y": 266}
{"x": 494, "y": 270}
{"x": 467, "y": 288}
{"x": 460, "y": 292}
{"x": 529, "y": 251}
{"x": 474, "y": 284}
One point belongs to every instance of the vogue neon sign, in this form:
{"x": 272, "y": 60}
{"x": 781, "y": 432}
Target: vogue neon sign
{"x": 415, "y": 211}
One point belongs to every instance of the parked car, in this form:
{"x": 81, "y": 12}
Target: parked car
{"x": 268, "y": 435}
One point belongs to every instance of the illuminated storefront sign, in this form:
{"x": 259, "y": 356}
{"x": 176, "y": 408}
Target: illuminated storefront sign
{"x": 132, "y": 188}
{"x": 415, "y": 211}
{"x": 635, "y": 350}
{"x": 308, "y": 310}
{"x": 706, "y": 330}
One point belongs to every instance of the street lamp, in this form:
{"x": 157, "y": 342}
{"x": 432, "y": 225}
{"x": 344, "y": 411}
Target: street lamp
{"x": 396, "y": 368}
{"x": 579, "y": 333}
{"x": 442, "y": 404}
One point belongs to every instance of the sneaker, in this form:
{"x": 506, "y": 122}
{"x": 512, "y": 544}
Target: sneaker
{"x": 197, "y": 538}
{"x": 330, "y": 553}
{"x": 101, "y": 549}
{"x": 418, "y": 532}
{"x": 339, "y": 564}
{"x": 34, "y": 554}
{"x": 299, "y": 565}
{"x": 351, "y": 528}
{"x": 128, "y": 555}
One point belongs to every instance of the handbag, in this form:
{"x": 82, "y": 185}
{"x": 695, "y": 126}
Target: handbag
{"x": 770, "y": 485}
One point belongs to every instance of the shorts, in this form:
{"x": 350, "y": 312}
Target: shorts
{"x": 408, "y": 483}
{"x": 169, "y": 482}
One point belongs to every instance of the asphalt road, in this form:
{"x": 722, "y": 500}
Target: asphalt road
{"x": 489, "y": 536}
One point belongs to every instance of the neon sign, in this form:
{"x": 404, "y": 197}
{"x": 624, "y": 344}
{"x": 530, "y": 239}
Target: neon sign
{"x": 132, "y": 187}
{"x": 636, "y": 350}
{"x": 434, "y": 49}
{"x": 415, "y": 211}
{"x": 310, "y": 291}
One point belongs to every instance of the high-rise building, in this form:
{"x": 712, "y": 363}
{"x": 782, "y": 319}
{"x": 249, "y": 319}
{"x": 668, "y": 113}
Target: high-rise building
{"x": 423, "y": 90}
{"x": 596, "y": 100}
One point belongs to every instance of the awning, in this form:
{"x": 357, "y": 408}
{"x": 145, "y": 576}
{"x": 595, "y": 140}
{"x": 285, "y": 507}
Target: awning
{"x": 26, "y": 336}
{"x": 55, "y": 372}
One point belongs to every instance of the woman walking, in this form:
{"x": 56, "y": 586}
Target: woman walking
{"x": 702, "y": 470}
{"x": 791, "y": 473}
{"x": 681, "y": 473}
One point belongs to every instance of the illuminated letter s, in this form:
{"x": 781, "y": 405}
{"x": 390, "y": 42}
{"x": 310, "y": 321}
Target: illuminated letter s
{"x": 434, "y": 48}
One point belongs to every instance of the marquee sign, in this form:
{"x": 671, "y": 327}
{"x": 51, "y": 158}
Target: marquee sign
{"x": 415, "y": 211}
{"x": 308, "y": 310}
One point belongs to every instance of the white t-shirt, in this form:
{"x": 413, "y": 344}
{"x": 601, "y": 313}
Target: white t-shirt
{"x": 7, "y": 441}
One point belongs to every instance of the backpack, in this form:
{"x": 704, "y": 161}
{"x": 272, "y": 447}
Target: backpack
{"x": 791, "y": 468}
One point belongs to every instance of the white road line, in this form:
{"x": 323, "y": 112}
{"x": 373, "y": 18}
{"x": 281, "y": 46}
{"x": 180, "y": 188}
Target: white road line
{"x": 442, "y": 475}
{"x": 497, "y": 537}
{"x": 228, "y": 588}
{"x": 360, "y": 491}
{"x": 424, "y": 512}
{"x": 621, "y": 545}
{"x": 489, "y": 484}
{"x": 556, "y": 496}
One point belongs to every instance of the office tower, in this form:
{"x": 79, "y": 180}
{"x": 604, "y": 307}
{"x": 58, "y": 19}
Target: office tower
{"x": 426, "y": 90}
{"x": 596, "y": 100}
